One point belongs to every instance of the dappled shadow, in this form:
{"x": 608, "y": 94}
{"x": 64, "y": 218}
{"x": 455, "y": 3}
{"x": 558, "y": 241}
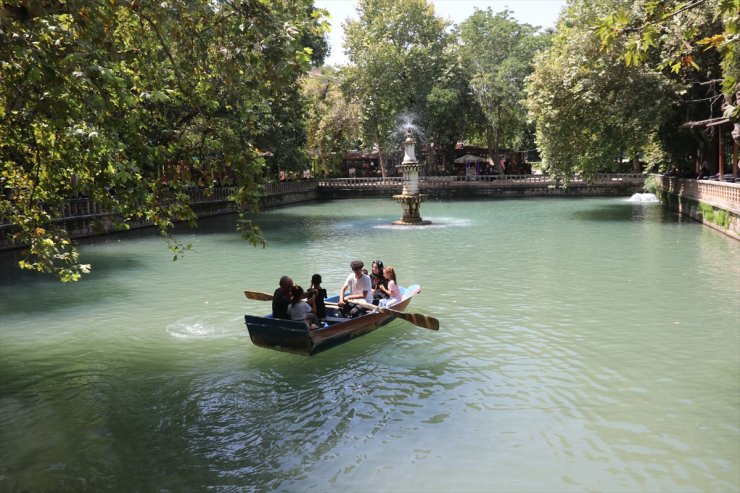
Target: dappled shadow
{"x": 47, "y": 294}
{"x": 285, "y": 227}
{"x": 22, "y": 290}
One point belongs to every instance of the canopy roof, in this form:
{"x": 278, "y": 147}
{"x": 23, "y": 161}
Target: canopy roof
{"x": 469, "y": 158}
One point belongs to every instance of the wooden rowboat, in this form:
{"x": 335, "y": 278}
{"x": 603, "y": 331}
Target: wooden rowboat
{"x": 296, "y": 337}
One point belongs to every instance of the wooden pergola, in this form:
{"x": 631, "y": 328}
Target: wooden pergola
{"x": 720, "y": 122}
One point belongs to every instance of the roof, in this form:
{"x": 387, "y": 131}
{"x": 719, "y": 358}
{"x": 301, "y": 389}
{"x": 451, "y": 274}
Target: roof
{"x": 469, "y": 158}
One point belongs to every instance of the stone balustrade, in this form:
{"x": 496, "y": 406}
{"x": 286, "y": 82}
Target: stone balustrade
{"x": 86, "y": 208}
{"x": 78, "y": 214}
{"x": 683, "y": 195}
{"x": 485, "y": 186}
{"x": 714, "y": 203}
{"x": 717, "y": 193}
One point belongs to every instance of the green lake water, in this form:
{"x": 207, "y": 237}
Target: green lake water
{"x": 585, "y": 345}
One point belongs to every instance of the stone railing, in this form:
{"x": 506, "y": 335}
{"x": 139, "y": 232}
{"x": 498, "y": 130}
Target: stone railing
{"x": 718, "y": 193}
{"x": 714, "y": 203}
{"x": 80, "y": 214}
{"x": 478, "y": 180}
{"x": 86, "y": 208}
{"x": 290, "y": 186}
{"x": 484, "y": 186}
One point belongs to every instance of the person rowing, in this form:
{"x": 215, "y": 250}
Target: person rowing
{"x": 360, "y": 288}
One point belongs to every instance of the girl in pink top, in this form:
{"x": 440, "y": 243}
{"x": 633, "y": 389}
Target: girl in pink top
{"x": 393, "y": 291}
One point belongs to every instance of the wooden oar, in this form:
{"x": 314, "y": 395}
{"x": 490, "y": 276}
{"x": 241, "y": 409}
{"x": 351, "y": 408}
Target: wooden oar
{"x": 418, "y": 319}
{"x": 256, "y": 295}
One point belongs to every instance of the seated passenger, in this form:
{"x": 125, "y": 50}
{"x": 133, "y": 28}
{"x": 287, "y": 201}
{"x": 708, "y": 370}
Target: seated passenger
{"x": 379, "y": 281}
{"x": 302, "y": 310}
{"x": 319, "y": 295}
{"x": 281, "y": 298}
{"x": 360, "y": 288}
{"x": 393, "y": 291}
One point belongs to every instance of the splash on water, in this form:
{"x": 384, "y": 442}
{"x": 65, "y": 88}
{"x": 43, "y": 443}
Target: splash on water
{"x": 201, "y": 326}
{"x": 444, "y": 222}
{"x": 648, "y": 198}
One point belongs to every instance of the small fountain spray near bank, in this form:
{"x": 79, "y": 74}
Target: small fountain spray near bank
{"x": 410, "y": 198}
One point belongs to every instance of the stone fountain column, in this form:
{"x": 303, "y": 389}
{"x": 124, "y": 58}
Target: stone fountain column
{"x": 410, "y": 198}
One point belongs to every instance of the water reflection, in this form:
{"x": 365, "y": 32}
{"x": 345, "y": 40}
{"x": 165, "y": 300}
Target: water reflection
{"x": 585, "y": 345}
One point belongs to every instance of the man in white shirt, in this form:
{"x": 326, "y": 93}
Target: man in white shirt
{"x": 360, "y": 288}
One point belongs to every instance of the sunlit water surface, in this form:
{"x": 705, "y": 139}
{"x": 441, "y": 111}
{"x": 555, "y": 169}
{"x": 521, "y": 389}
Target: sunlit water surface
{"x": 585, "y": 345}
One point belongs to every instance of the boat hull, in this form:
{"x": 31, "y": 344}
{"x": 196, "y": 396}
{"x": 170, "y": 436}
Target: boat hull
{"x": 295, "y": 336}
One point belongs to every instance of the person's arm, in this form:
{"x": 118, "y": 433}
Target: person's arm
{"x": 341, "y": 293}
{"x": 367, "y": 286}
{"x": 385, "y": 290}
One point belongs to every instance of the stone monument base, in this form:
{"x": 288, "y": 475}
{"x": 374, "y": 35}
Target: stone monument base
{"x": 421, "y": 222}
{"x": 410, "y": 204}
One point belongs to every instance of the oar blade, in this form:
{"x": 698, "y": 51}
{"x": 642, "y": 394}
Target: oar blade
{"x": 256, "y": 295}
{"x": 418, "y": 319}
{"x": 423, "y": 320}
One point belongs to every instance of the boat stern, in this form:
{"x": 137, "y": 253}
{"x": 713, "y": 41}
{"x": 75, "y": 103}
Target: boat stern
{"x": 284, "y": 335}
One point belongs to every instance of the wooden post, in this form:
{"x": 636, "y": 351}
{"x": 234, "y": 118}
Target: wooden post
{"x": 721, "y": 166}
{"x": 734, "y": 160}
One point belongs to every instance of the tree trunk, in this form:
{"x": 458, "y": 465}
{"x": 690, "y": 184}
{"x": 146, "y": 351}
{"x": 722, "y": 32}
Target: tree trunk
{"x": 489, "y": 143}
{"x": 381, "y": 161}
{"x": 498, "y": 138}
{"x": 381, "y": 154}
{"x": 636, "y": 164}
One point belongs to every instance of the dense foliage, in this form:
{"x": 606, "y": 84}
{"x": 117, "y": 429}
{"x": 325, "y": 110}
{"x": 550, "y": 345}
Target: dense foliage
{"x": 132, "y": 103}
{"x": 498, "y": 54}
{"x": 677, "y": 35}
{"x": 397, "y": 52}
{"x": 624, "y": 77}
{"x": 589, "y": 109}
{"x": 332, "y": 122}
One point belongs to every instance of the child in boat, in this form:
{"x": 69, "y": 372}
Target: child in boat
{"x": 392, "y": 291}
{"x": 319, "y": 295}
{"x": 302, "y": 310}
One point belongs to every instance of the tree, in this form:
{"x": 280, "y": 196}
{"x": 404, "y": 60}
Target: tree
{"x": 132, "y": 103}
{"x": 332, "y": 122}
{"x": 396, "y": 52}
{"x": 673, "y": 34}
{"x": 696, "y": 45}
{"x": 498, "y": 52}
{"x": 447, "y": 110}
{"x": 589, "y": 109}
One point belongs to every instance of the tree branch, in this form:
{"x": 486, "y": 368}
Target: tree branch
{"x": 663, "y": 19}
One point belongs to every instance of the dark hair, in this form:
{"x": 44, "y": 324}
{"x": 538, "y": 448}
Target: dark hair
{"x": 356, "y": 264}
{"x": 296, "y": 294}
{"x": 315, "y": 279}
{"x": 379, "y": 263}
